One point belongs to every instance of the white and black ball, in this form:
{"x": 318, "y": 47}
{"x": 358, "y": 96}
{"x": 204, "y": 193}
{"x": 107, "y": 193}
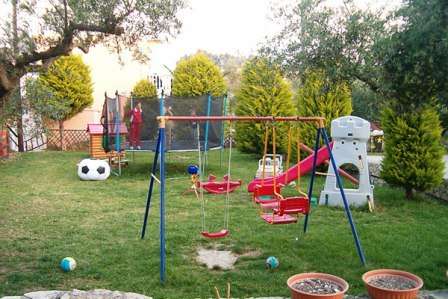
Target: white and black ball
{"x": 93, "y": 170}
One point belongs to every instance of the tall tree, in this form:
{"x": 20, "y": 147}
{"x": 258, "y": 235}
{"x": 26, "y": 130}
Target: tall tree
{"x": 198, "y": 75}
{"x": 47, "y": 30}
{"x": 69, "y": 82}
{"x": 415, "y": 74}
{"x": 345, "y": 42}
{"x": 413, "y": 151}
{"x": 263, "y": 92}
{"x": 416, "y": 63}
{"x": 366, "y": 103}
{"x": 318, "y": 96}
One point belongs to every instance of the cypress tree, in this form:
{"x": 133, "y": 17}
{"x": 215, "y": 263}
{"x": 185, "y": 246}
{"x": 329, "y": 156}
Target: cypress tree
{"x": 197, "y": 75}
{"x": 413, "y": 152}
{"x": 144, "y": 89}
{"x": 263, "y": 92}
{"x": 317, "y": 96}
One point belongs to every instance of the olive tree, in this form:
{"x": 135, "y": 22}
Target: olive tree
{"x": 34, "y": 33}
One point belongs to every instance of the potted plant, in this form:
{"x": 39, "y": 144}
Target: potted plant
{"x": 392, "y": 284}
{"x": 317, "y": 285}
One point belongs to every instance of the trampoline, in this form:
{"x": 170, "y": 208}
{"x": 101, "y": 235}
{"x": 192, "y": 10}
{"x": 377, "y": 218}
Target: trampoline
{"x": 140, "y": 117}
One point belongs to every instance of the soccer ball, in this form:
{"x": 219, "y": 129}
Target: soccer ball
{"x": 93, "y": 170}
{"x": 68, "y": 264}
{"x": 272, "y": 262}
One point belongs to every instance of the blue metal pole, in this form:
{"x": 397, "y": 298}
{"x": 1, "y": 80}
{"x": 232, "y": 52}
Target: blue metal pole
{"x": 161, "y": 106}
{"x": 162, "y": 205}
{"x": 117, "y": 124}
{"x": 151, "y": 186}
{"x": 313, "y": 175}
{"x": 344, "y": 199}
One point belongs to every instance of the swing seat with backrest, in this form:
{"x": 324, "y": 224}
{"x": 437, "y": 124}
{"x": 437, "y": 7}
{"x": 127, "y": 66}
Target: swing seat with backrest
{"x": 283, "y": 210}
{"x": 265, "y": 193}
{"x": 219, "y": 187}
{"x": 292, "y": 205}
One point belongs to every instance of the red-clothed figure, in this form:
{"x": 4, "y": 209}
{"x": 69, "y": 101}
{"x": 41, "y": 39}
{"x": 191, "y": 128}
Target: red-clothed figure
{"x": 136, "y": 125}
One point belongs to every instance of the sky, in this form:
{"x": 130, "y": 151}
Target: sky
{"x": 228, "y": 26}
{"x": 218, "y": 26}
{"x": 231, "y": 26}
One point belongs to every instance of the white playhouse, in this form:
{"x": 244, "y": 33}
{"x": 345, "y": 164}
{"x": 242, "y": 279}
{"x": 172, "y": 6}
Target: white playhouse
{"x": 350, "y": 135}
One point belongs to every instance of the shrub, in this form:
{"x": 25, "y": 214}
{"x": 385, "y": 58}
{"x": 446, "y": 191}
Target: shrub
{"x": 263, "y": 92}
{"x": 197, "y": 75}
{"x": 69, "y": 87}
{"x": 144, "y": 89}
{"x": 317, "y": 96}
{"x": 68, "y": 79}
{"x": 413, "y": 152}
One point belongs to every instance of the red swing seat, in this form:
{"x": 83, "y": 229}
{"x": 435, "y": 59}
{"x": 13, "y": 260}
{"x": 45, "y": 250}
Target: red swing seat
{"x": 284, "y": 209}
{"x": 272, "y": 218}
{"x": 265, "y": 193}
{"x": 219, "y": 187}
{"x": 289, "y": 205}
{"x": 216, "y": 235}
{"x": 292, "y": 205}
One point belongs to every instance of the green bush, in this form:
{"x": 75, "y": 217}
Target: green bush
{"x": 413, "y": 152}
{"x": 68, "y": 79}
{"x": 317, "y": 96}
{"x": 144, "y": 89}
{"x": 197, "y": 75}
{"x": 263, "y": 92}
{"x": 66, "y": 88}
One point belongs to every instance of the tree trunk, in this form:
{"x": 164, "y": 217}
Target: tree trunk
{"x": 409, "y": 193}
{"x": 61, "y": 135}
{"x": 15, "y": 41}
{"x": 20, "y": 147}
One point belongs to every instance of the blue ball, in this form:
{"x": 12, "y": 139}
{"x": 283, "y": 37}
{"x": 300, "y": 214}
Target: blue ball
{"x": 193, "y": 169}
{"x": 68, "y": 264}
{"x": 272, "y": 262}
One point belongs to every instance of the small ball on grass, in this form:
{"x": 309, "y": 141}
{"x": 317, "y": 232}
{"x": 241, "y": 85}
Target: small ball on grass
{"x": 68, "y": 264}
{"x": 272, "y": 262}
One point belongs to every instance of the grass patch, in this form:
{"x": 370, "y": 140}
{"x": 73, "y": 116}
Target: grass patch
{"x": 47, "y": 213}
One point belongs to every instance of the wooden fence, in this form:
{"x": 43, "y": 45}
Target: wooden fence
{"x": 74, "y": 140}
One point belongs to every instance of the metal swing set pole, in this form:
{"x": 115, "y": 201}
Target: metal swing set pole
{"x": 161, "y": 150}
{"x": 322, "y": 131}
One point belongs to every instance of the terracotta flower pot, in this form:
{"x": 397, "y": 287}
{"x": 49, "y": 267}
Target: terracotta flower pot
{"x": 296, "y": 294}
{"x": 383, "y": 293}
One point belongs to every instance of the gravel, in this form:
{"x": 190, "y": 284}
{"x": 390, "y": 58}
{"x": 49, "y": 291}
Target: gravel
{"x": 317, "y": 286}
{"x": 393, "y": 282}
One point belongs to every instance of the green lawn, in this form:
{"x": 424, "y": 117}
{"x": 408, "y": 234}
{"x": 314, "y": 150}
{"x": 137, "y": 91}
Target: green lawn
{"x": 46, "y": 213}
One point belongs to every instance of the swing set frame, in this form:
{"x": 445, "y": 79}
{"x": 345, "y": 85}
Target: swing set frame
{"x": 159, "y": 159}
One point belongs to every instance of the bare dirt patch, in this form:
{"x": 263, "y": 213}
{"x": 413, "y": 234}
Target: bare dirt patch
{"x": 219, "y": 259}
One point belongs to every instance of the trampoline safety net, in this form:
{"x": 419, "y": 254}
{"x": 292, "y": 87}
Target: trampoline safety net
{"x": 114, "y": 130}
{"x": 138, "y": 117}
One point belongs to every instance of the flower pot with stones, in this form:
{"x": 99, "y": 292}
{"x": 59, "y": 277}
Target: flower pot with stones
{"x": 317, "y": 285}
{"x": 392, "y": 284}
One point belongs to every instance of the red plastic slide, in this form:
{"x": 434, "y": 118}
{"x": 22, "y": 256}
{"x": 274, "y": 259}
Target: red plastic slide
{"x": 306, "y": 166}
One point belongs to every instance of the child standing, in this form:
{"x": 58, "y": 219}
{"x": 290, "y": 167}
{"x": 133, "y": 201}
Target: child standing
{"x": 136, "y": 125}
